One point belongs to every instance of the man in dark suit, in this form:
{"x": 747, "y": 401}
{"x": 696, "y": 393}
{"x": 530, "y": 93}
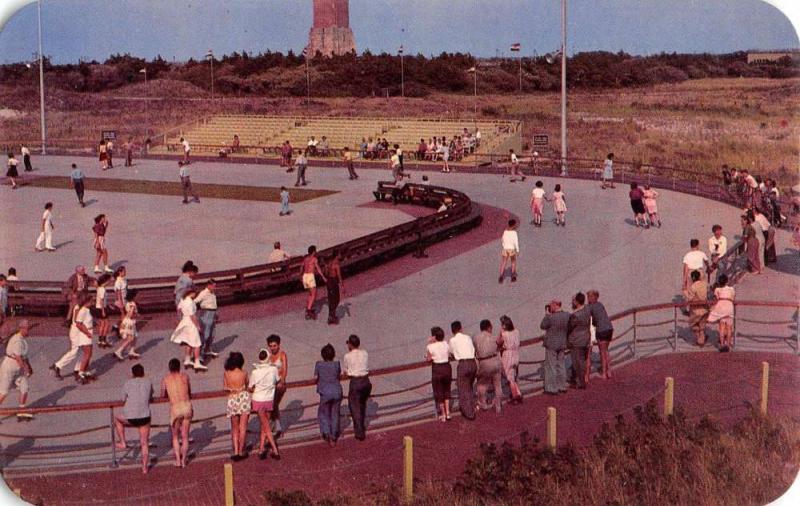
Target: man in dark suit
{"x": 579, "y": 339}
{"x": 555, "y": 324}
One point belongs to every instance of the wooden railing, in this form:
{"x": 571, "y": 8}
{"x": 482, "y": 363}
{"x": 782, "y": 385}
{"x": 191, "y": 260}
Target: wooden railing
{"x": 46, "y": 298}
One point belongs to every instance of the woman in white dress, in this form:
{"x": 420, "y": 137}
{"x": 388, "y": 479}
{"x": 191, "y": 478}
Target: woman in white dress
{"x": 722, "y": 312}
{"x": 188, "y": 332}
{"x": 559, "y": 206}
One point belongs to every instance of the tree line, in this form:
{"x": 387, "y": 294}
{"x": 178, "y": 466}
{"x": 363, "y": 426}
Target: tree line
{"x": 277, "y": 74}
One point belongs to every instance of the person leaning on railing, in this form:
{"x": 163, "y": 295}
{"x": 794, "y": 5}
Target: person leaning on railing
{"x": 327, "y": 374}
{"x": 696, "y": 296}
{"x": 437, "y": 352}
{"x": 556, "y": 326}
{"x": 722, "y": 311}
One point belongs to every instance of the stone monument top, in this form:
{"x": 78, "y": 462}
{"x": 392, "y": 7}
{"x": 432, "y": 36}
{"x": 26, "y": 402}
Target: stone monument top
{"x": 330, "y": 33}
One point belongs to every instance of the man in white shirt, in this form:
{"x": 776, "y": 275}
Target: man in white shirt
{"x": 717, "y": 246}
{"x": 515, "y": 170}
{"x": 356, "y": 368}
{"x": 45, "y": 240}
{"x": 463, "y": 350}
{"x": 15, "y": 368}
{"x": 510, "y": 250}
{"x": 277, "y": 254}
{"x": 694, "y": 260}
{"x": 80, "y": 339}
{"x": 186, "y": 182}
{"x": 110, "y": 153}
{"x": 26, "y": 158}
{"x": 770, "y": 255}
{"x": 206, "y": 302}
{"x": 186, "y": 150}
{"x": 394, "y": 164}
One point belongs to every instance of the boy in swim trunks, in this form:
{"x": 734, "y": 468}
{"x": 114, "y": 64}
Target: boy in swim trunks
{"x": 176, "y": 386}
{"x": 310, "y": 268}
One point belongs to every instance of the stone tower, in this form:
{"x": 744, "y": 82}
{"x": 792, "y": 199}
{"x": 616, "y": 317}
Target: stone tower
{"x": 331, "y": 34}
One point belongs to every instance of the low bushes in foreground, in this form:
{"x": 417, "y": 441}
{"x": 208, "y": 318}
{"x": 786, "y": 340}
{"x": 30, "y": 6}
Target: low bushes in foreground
{"x": 643, "y": 460}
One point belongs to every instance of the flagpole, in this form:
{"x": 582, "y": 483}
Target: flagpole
{"x": 402, "y": 74}
{"x": 41, "y": 79}
{"x": 520, "y": 73}
{"x": 563, "y": 87}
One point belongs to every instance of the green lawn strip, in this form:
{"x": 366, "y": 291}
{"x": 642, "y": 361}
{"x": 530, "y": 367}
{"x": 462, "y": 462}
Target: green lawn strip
{"x": 204, "y": 190}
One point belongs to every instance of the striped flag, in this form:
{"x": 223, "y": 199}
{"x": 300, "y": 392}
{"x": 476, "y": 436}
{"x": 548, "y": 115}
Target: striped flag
{"x": 305, "y": 51}
{"x": 400, "y": 51}
{"x": 471, "y": 70}
{"x": 516, "y": 47}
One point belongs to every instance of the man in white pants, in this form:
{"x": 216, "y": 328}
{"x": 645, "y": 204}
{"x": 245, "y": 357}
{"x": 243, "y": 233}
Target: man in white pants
{"x": 80, "y": 340}
{"x": 45, "y": 240}
{"x": 15, "y": 368}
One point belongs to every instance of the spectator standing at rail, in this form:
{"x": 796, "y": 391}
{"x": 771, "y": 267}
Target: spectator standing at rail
{"x": 99, "y": 230}
{"x": 579, "y": 340}
{"x": 12, "y": 174}
{"x": 508, "y": 344}
{"x": 722, "y": 312}
{"x": 347, "y": 157}
{"x": 768, "y": 232}
{"x": 556, "y": 326}
{"x": 300, "y": 163}
{"x": 326, "y": 376}
{"x": 310, "y": 269}
{"x": 45, "y": 239}
{"x": 178, "y": 389}
{"x": 463, "y": 351}
{"x": 80, "y": 339}
{"x": 437, "y": 352}
{"x": 15, "y": 368}
{"x": 696, "y": 296}
{"x": 510, "y": 250}
{"x": 187, "y": 150}
{"x": 604, "y": 329}
{"x": 693, "y": 260}
{"x": 263, "y": 389}
{"x": 26, "y": 158}
{"x": 279, "y": 360}
{"x": 77, "y": 182}
{"x": 77, "y": 288}
{"x": 286, "y": 156}
{"x": 489, "y": 367}
{"x": 752, "y": 245}
{"x": 187, "y": 333}
{"x": 608, "y": 172}
{"x": 186, "y": 182}
{"x": 334, "y": 282}
{"x": 206, "y": 301}
{"x": 717, "y": 246}
{"x": 234, "y": 381}
{"x": 356, "y": 368}
{"x": 138, "y": 392}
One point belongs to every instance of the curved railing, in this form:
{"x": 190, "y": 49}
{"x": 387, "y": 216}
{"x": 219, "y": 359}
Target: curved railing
{"x": 260, "y": 281}
{"x": 631, "y": 335}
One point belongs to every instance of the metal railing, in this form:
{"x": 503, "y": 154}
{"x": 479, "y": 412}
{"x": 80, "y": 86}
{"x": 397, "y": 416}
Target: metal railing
{"x": 632, "y": 333}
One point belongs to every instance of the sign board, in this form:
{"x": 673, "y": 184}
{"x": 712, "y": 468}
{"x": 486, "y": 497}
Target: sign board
{"x": 109, "y": 135}
{"x": 541, "y": 140}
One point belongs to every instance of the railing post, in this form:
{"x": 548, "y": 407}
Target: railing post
{"x": 228, "y": 484}
{"x": 764, "y": 387}
{"x": 634, "y": 334}
{"x": 735, "y": 330}
{"x": 675, "y": 328}
{"x": 114, "y": 463}
{"x": 669, "y": 396}
{"x": 552, "y": 439}
{"x": 408, "y": 469}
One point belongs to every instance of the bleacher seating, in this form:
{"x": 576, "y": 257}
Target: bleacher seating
{"x": 211, "y": 134}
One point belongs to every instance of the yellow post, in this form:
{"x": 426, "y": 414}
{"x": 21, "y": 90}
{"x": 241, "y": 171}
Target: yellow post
{"x": 408, "y": 469}
{"x": 764, "y": 387}
{"x": 228, "y": 484}
{"x": 669, "y": 395}
{"x": 18, "y": 492}
{"x": 552, "y": 440}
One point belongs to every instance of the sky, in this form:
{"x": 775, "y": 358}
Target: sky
{"x": 180, "y": 29}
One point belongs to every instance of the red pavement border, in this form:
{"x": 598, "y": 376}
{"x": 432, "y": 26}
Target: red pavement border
{"x": 723, "y": 385}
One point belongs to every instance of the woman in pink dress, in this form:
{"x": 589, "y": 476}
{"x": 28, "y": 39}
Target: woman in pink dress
{"x": 559, "y": 206}
{"x": 650, "y": 204}
{"x": 537, "y": 203}
{"x": 508, "y": 343}
{"x": 722, "y": 311}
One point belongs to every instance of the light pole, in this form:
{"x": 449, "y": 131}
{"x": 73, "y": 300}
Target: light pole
{"x": 474, "y": 72}
{"x": 146, "y": 106}
{"x": 563, "y": 87}
{"x": 402, "y": 74}
{"x": 41, "y": 79}
{"x": 308, "y": 79}
{"x": 210, "y": 57}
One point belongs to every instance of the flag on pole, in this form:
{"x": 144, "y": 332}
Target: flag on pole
{"x": 210, "y": 54}
{"x": 516, "y": 47}
{"x": 143, "y": 71}
{"x": 471, "y": 70}
{"x": 400, "y": 51}
{"x": 305, "y": 51}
